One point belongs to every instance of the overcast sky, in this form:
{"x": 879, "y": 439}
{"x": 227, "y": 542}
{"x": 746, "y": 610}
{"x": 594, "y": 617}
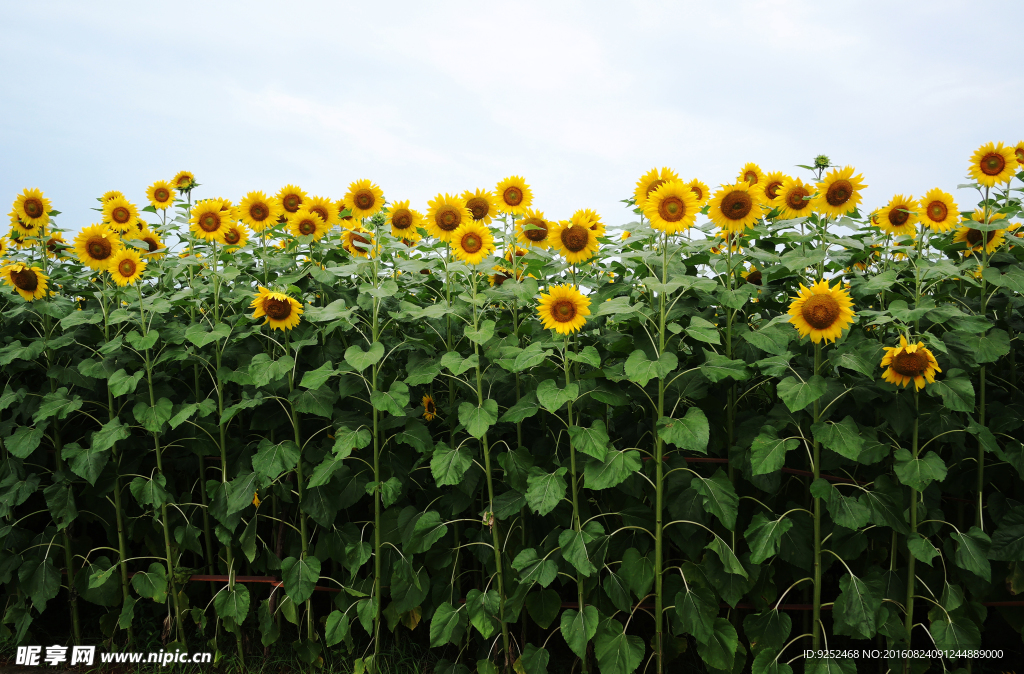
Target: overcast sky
{"x": 580, "y": 98}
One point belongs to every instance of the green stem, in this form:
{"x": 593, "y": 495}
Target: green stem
{"x": 378, "y": 575}
{"x": 816, "y": 467}
{"x": 659, "y": 478}
{"x": 979, "y": 519}
{"x": 575, "y": 495}
{"x": 300, "y": 481}
{"x": 908, "y": 622}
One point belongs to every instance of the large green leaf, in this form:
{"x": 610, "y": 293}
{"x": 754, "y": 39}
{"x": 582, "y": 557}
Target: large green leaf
{"x": 719, "y": 650}
{"x": 574, "y": 550}
{"x": 543, "y": 607}
{"x": 60, "y": 501}
{"x": 429, "y": 529}
{"x": 478, "y": 419}
{"x": 336, "y": 629}
{"x": 483, "y": 608}
{"x": 85, "y": 463}
{"x": 639, "y": 571}
{"x": 593, "y": 441}
{"x": 696, "y": 609}
{"x": 578, "y": 628}
{"x": 57, "y": 404}
{"x": 153, "y": 418}
{"x": 449, "y": 465}
{"x": 617, "y": 653}
{"x": 856, "y": 608}
{"x": 25, "y": 440}
{"x": 617, "y": 466}
{"x": 972, "y": 552}
{"x": 233, "y": 603}
{"x": 300, "y": 576}
{"x": 1008, "y": 538}
{"x": 545, "y": 490}
{"x": 920, "y": 472}
{"x": 720, "y": 497}
{"x": 843, "y": 438}
{"x": 152, "y": 583}
{"x": 768, "y": 630}
{"x": 446, "y": 624}
{"x": 641, "y": 370}
{"x": 360, "y": 359}
{"x": 768, "y": 451}
{"x": 956, "y": 632}
{"x": 717, "y": 367}
{"x": 271, "y": 460}
{"x": 318, "y": 377}
{"x": 692, "y": 432}
{"x": 764, "y": 536}
{"x": 394, "y": 401}
{"x": 799, "y": 394}
{"x": 526, "y": 407}
{"x": 40, "y": 580}
{"x": 533, "y": 568}
{"x": 846, "y": 511}
{"x": 534, "y": 660}
{"x": 957, "y": 393}
{"x": 552, "y": 398}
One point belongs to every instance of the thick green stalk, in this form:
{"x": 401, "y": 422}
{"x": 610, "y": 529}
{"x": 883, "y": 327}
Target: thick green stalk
{"x": 575, "y": 495}
{"x": 659, "y": 479}
{"x": 816, "y": 468}
{"x": 979, "y": 519}
{"x": 908, "y": 622}
{"x": 378, "y": 576}
{"x": 303, "y": 534}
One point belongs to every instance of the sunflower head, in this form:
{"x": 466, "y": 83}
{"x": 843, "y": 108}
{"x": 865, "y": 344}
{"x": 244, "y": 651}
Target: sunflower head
{"x": 900, "y": 216}
{"x": 291, "y": 198}
{"x": 445, "y": 214}
{"x": 95, "y": 245}
{"x": 160, "y": 194}
{"x": 29, "y": 282}
{"x": 563, "y": 309}
{"x": 514, "y": 195}
{"x": 472, "y": 242}
{"x": 183, "y": 181}
{"x": 280, "y": 311}
{"x": 771, "y": 185}
{"x": 120, "y": 214}
{"x": 55, "y": 246}
{"x": 404, "y": 221}
{"x": 909, "y": 363}
{"x": 23, "y": 230}
{"x": 735, "y": 207}
{"x": 793, "y": 199}
{"x": 364, "y": 199}
{"x": 358, "y": 241}
{"x": 576, "y": 242}
{"x": 591, "y": 218}
{"x": 752, "y": 275}
{"x": 5, "y": 246}
{"x": 126, "y": 266}
{"x": 32, "y": 208}
{"x": 429, "y": 408}
{"x": 751, "y": 174}
{"x": 236, "y": 235}
{"x": 839, "y": 193}
{"x": 672, "y": 208}
{"x": 994, "y": 163}
{"x": 210, "y": 219}
{"x": 979, "y": 240}
{"x": 821, "y": 312}
{"x": 499, "y": 276}
{"x": 730, "y": 241}
{"x": 110, "y": 194}
{"x": 481, "y": 204}
{"x": 534, "y": 230}
{"x": 304, "y": 222}
{"x": 701, "y": 191}
{"x": 259, "y": 211}
{"x": 938, "y": 210}
{"x": 154, "y": 245}
{"x": 651, "y": 181}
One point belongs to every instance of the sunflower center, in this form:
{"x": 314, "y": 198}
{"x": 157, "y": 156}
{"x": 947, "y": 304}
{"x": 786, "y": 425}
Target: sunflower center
{"x": 653, "y": 186}
{"x": 513, "y": 196}
{"x": 479, "y": 207}
{"x": 795, "y": 199}
{"x": 910, "y": 364}
{"x": 563, "y": 310}
{"x": 232, "y": 236}
{"x": 471, "y": 243}
{"x": 535, "y": 234}
{"x": 51, "y": 245}
{"x": 291, "y": 202}
{"x": 937, "y": 211}
{"x": 773, "y": 189}
{"x": 1019, "y": 152}
{"x": 33, "y": 208}
{"x": 307, "y": 227}
{"x": 161, "y": 194}
{"x": 500, "y": 278}
{"x": 754, "y": 277}
{"x": 259, "y": 212}
{"x": 321, "y": 211}
{"x": 697, "y": 191}
{"x": 820, "y": 311}
{"x": 27, "y": 225}
{"x": 672, "y": 209}
{"x": 898, "y": 216}
{"x": 99, "y": 248}
{"x": 120, "y": 215}
{"x": 277, "y": 309}
{"x": 152, "y": 243}
{"x": 364, "y": 199}
{"x": 991, "y": 164}
{"x": 575, "y": 238}
{"x": 736, "y": 205}
{"x": 750, "y": 177}
{"x": 25, "y": 279}
{"x": 974, "y": 236}
{"x": 839, "y": 193}
{"x": 126, "y": 267}
{"x": 448, "y": 218}
{"x": 209, "y": 222}
{"x": 359, "y": 239}
{"x": 183, "y": 180}
{"x": 401, "y": 219}
{"x": 430, "y": 407}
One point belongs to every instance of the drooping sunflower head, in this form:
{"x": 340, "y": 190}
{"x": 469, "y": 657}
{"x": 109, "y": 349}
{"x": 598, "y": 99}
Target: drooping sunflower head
{"x": 794, "y": 199}
{"x": 534, "y": 230}
{"x": 514, "y": 195}
{"x": 29, "y": 282}
{"x": 735, "y": 207}
{"x": 358, "y": 241}
{"x": 752, "y": 275}
{"x": 701, "y": 191}
{"x": 32, "y": 208}
{"x": 651, "y": 181}
{"x": 822, "y": 312}
{"x": 472, "y": 242}
{"x": 55, "y": 246}
{"x": 994, "y": 163}
{"x": 576, "y": 242}
{"x": 209, "y": 220}
{"x": 304, "y": 222}
{"x": 672, "y": 208}
{"x": 563, "y": 309}
{"x": 938, "y": 210}
{"x": 770, "y": 186}
{"x": 909, "y": 363}
{"x": 279, "y": 310}
{"x": 291, "y": 198}
{"x": 364, "y": 199}
{"x": 120, "y": 214}
{"x": 95, "y": 245}
{"x": 839, "y": 192}
{"x": 445, "y": 214}
{"x": 980, "y": 240}
{"x": 325, "y": 208}
{"x": 183, "y": 181}
{"x": 499, "y": 276}
{"x": 900, "y": 216}
{"x": 126, "y": 266}
{"x": 751, "y": 174}
{"x": 482, "y": 204}
{"x": 160, "y": 194}
{"x": 404, "y": 221}
{"x": 429, "y": 408}
{"x": 153, "y": 244}
{"x": 259, "y": 211}
{"x": 236, "y": 235}
{"x": 110, "y": 194}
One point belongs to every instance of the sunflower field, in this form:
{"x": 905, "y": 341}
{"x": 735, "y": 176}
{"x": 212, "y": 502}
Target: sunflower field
{"x": 762, "y": 428}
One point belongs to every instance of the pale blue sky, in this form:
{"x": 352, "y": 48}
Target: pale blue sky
{"x": 580, "y": 98}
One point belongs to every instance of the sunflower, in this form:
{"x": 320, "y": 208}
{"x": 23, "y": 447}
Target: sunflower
{"x": 209, "y": 220}
{"x": 5, "y": 246}
{"x": 651, "y": 181}
{"x": 325, "y": 208}
{"x": 153, "y": 243}
{"x": 751, "y": 174}
{"x": 120, "y": 214}
{"x": 236, "y": 235}
{"x": 184, "y": 181}
{"x": 625, "y": 235}
{"x": 563, "y": 309}
{"x": 30, "y": 282}
{"x": 735, "y": 207}
{"x": 364, "y": 199}
{"x": 900, "y": 216}
{"x": 730, "y": 238}
{"x": 499, "y": 276}
{"x": 446, "y": 213}
{"x": 32, "y": 208}
{"x": 482, "y": 204}
{"x": 909, "y": 362}
{"x": 993, "y": 164}
{"x": 21, "y": 230}
{"x": 793, "y": 199}
{"x": 514, "y": 195}
{"x": 55, "y": 246}
{"x": 160, "y": 194}
{"x": 576, "y": 242}
{"x": 404, "y": 221}
{"x": 592, "y": 217}
{"x": 472, "y": 242}
{"x": 938, "y": 211}
{"x": 672, "y": 208}
{"x": 126, "y": 266}
{"x": 700, "y": 190}
{"x": 291, "y": 198}
{"x": 821, "y": 312}
{"x": 111, "y": 194}
{"x": 281, "y": 311}
{"x": 259, "y": 211}
{"x": 534, "y": 230}
{"x": 304, "y": 222}
{"x": 752, "y": 275}
{"x": 95, "y": 245}
{"x": 973, "y": 237}
{"x": 772, "y": 184}
{"x": 429, "y": 408}
{"x": 838, "y": 193}
{"x": 358, "y": 241}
